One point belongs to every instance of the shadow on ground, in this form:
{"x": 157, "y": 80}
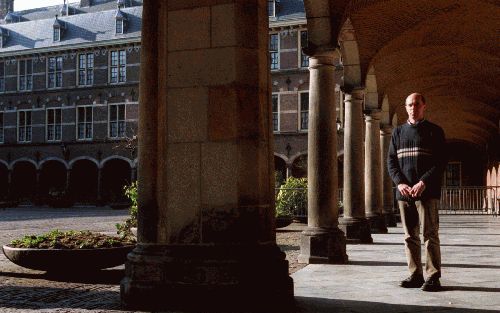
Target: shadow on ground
{"x": 320, "y": 305}
{"x": 106, "y": 277}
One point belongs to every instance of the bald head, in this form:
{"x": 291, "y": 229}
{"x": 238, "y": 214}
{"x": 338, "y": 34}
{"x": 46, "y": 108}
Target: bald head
{"x": 415, "y": 96}
{"x": 415, "y": 107}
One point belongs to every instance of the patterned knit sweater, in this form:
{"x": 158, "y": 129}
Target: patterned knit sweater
{"x": 418, "y": 153}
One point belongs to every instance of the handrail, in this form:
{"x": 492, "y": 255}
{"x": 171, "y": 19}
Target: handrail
{"x": 481, "y": 200}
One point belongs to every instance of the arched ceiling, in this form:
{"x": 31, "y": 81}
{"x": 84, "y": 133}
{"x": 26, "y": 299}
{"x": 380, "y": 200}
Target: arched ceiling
{"x": 446, "y": 49}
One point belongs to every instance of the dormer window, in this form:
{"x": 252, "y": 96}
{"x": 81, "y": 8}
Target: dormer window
{"x": 271, "y": 8}
{"x": 59, "y": 27}
{"x": 121, "y": 21}
{"x": 4, "y": 33}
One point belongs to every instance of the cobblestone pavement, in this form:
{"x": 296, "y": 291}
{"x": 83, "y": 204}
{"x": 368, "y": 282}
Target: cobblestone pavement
{"x": 24, "y": 290}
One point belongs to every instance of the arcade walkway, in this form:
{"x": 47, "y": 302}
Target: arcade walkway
{"x": 471, "y": 270}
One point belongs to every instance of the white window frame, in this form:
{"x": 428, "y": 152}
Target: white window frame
{"x": 118, "y": 121}
{"x": 86, "y": 69}
{"x": 273, "y": 3}
{"x": 28, "y": 128}
{"x": 278, "y": 96}
{"x": 2, "y": 121}
{"x": 54, "y": 125}
{"x": 118, "y": 67}
{"x": 119, "y": 22}
{"x": 26, "y": 74}
{"x": 55, "y": 72}
{"x": 300, "y": 111}
{"x": 2, "y": 76}
{"x": 85, "y": 138}
{"x": 277, "y": 51}
{"x": 300, "y": 46}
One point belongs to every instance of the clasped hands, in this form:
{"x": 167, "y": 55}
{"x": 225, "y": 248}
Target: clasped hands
{"x": 412, "y": 192}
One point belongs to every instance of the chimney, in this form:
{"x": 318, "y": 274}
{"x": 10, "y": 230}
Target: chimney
{"x": 6, "y": 6}
{"x": 85, "y": 3}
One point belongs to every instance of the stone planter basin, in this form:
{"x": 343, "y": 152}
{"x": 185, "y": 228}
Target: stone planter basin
{"x": 67, "y": 260}
{"x": 283, "y": 221}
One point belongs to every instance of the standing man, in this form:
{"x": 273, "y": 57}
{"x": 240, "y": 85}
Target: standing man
{"x": 416, "y": 163}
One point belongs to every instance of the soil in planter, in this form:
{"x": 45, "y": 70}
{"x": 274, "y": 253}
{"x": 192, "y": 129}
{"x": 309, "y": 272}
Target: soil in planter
{"x": 71, "y": 240}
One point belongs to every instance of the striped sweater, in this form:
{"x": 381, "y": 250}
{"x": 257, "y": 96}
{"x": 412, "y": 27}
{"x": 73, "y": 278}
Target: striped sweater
{"x": 418, "y": 153}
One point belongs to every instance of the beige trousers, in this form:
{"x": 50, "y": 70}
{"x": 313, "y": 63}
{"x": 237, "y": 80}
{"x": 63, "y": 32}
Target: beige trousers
{"x": 425, "y": 213}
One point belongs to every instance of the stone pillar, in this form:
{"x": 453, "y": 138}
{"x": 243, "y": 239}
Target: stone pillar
{"x": 68, "y": 180}
{"x": 322, "y": 241}
{"x": 373, "y": 175}
{"x": 354, "y": 223}
{"x": 206, "y": 220}
{"x": 289, "y": 167}
{"x": 387, "y": 192}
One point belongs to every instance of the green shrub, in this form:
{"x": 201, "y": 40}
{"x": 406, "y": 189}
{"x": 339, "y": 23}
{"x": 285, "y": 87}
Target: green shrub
{"x": 292, "y": 197}
{"x": 124, "y": 229}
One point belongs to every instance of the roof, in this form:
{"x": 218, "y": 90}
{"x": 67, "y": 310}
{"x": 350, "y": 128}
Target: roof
{"x": 80, "y": 29}
{"x": 74, "y": 8}
{"x": 288, "y": 10}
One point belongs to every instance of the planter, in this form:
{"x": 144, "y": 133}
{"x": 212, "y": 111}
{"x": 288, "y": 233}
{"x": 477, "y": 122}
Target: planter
{"x": 67, "y": 260}
{"x": 283, "y": 221}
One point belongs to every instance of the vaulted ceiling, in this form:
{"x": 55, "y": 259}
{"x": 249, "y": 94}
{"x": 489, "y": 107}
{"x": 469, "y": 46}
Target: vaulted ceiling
{"x": 448, "y": 50}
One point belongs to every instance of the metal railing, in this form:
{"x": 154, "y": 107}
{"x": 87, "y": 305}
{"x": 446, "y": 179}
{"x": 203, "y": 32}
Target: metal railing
{"x": 480, "y": 200}
{"x": 470, "y": 200}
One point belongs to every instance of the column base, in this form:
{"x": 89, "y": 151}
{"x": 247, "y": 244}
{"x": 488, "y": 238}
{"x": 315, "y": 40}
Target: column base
{"x": 390, "y": 219}
{"x": 221, "y": 278}
{"x": 377, "y": 224}
{"x": 357, "y": 230}
{"x": 323, "y": 245}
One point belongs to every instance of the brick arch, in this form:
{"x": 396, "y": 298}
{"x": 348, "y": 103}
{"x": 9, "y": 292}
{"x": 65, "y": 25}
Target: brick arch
{"x": 72, "y": 162}
{"x": 13, "y": 163}
{"x": 42, "y": 162}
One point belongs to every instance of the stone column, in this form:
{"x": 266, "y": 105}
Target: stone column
{"x": 387, "y": 191}
{"x": 373, "y": 174}
{"x": 68, "y": 179}
{"x": 354, "y": 223}
{"x": 289, "y": 167}
{"x": 322, "y": 241}
{"x": 37, "y": 196}
{"x": 206, "y": 222}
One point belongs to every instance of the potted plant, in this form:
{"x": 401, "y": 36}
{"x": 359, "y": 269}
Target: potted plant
{"x": 69, "y": 251}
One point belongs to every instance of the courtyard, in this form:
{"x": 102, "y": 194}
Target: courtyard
{"x": 369, "y": 283}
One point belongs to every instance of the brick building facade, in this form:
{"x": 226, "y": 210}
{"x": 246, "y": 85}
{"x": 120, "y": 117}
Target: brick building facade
{"x": 69, "y": 86}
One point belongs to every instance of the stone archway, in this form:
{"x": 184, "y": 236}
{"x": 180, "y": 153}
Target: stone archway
{"x": 299, "y": 166}
{"x": 4, "y": 181}
{"x": 24, "y": 181}
{"x": 116, "y": 174}
{"x": 53, "y": 178}
{"x": 83, "y": 184}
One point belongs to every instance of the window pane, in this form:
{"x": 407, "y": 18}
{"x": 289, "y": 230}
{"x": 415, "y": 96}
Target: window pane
{"x": 304, "y": 101}
{"x": 58, "y": 118}
{"x": 112, "y": 113}
{"x": 121, "y": 112}
{"x": 22, "y": 120}
{"x": 29, "y": 66}
{"x": 119, "y": 26}
{"x": 50, "y": 116}
{"x": 59, "y": 61}
{"x": 121, "y": 129}
{"x": 52, "y": 64}
{"x": 122, "y": 57}
{"x": 114, "y": 58}
{"x": 90, "y": 60}
{"x": 81, "y": 61}
{"x": 122, "y": 73}
{"x": 59, "y": 79}
{"x": 90, "y": 77}
{"x": 273, "y": 42}
{"x": 88, "y": 114}
{"x": 58, "y": 132}
{"x": 270, "y": 8}
{"x": 28, "y": 117}
{"x": 81, "y": 130}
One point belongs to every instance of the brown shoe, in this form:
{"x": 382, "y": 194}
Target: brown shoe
{"x": 414, "y": 281}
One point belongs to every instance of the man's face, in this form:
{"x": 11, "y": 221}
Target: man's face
{"x": 415, "y": 108}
